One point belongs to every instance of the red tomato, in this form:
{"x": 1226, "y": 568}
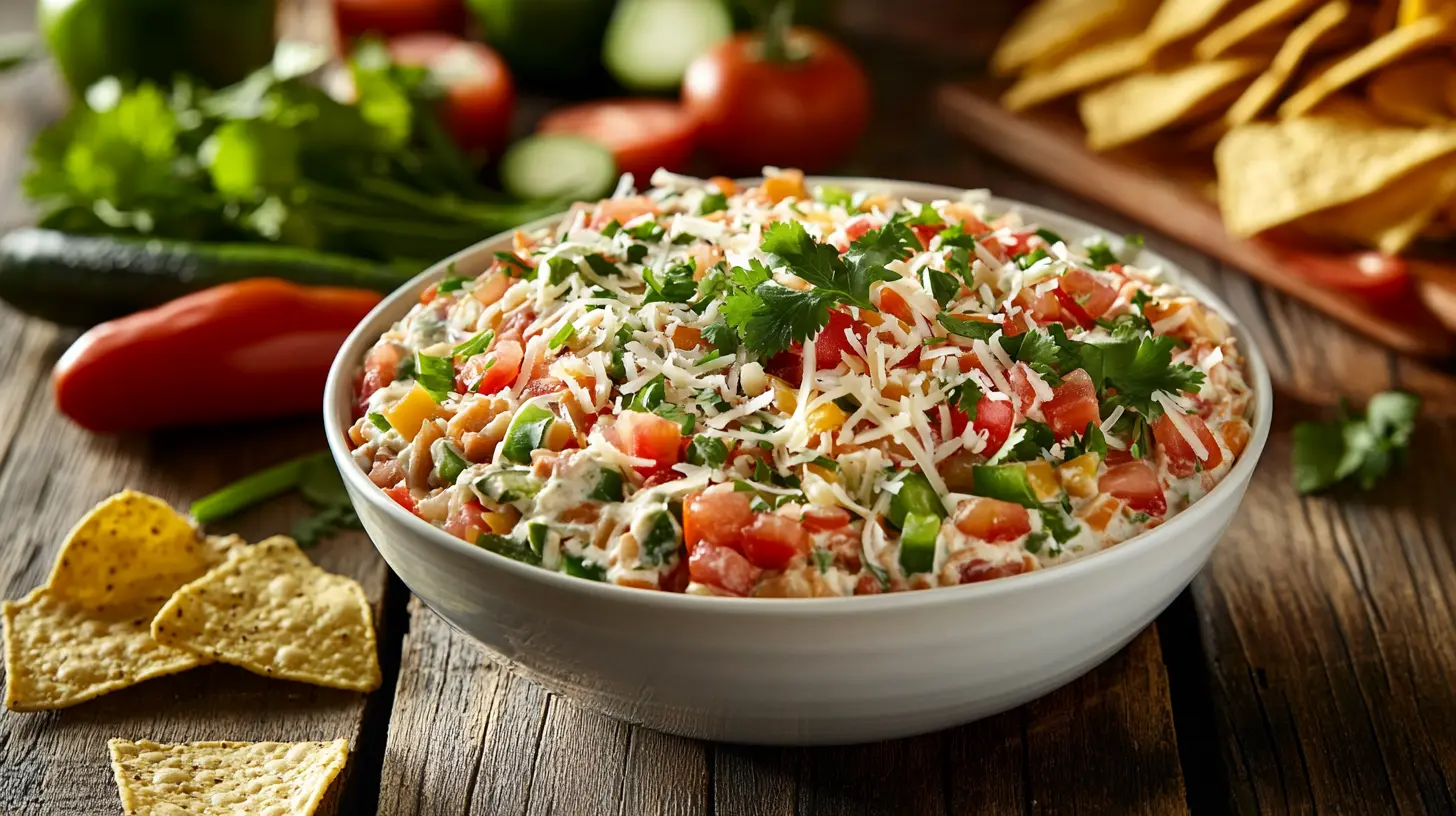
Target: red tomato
{"x": 806, "y": 112}
{"x": 723, "y": 568}
{"x": 1136, "y": 484}
{"x": 1044, "y": 308}
{"x": 994, "y": 418}
{"x": 979, "y": 569}
{"x": 718, "y": 517}
{"x": 1020, "y": 379}
{"x": 621, "y": 210}
{"x": 1072, "y": 406}
{"x": 390, "y": 17}
{"x": 1369, "y": 275}
{"x": 379, "y": 369}
{"x": 643, "y": 134}
{"x": 858, "y": 226}
{"x": 479, "y": 95}
{"x": 830, "y": 346}
{"x": 924, "y": 232}
{"x": 1073, "y": 311}
{"x": 1176, "y": 450}
{"x": 648, "y": 436}
{"x": 771, "y": 541}
{"x": 402, "y": 497}
{"x": 1092, "y": 295}
{"x": 504, "y": 361}
{"x": 992, "y": 519}
{"x": 468, "y": 522}
{"x": 820, "y": 518}
{"x": 252, "y": 349}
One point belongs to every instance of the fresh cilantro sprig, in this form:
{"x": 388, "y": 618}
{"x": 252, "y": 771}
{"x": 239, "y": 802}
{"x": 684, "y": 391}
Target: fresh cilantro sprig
{"x": 770, "y": 317}
{"x": 1356, "y": 448}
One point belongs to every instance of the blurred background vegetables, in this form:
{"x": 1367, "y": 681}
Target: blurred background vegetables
{"x": 199, "y": 154}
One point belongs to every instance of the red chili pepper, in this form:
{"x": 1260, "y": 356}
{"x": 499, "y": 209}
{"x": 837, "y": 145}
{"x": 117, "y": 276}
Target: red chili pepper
{"x": 248, "y": 350}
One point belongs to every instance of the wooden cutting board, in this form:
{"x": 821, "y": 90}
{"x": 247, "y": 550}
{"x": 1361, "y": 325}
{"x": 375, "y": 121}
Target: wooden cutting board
{"x": 1169, "y": 198}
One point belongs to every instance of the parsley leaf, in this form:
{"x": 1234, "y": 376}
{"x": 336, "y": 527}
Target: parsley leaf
{"x": 1137, "y": 372}
{"x": 722, "y": 336}
{"x": 713, "y": 202}
{"x": 868, "y": 256}
{"x": 1037, "y": 438}
{"x": 435, "y": 374}
{"x": 956, "y": 236}
{"x": 847, "y": 279}
{"x": 707, "y": 451}
{"x": 1049, "y": 236}
{"x": 451, "y": 283}
{"x": 601, "y": 266}
{"x": 967, "y": 397}
{"x": 646, "y": 231}
{"x": 968, "y": 327}
{"x": 942, "y": 286}
{"x": 1355, "y": 447}
{"x": 1091, "y": 440}
{"x": 927, "y": 217}
{"x": 475, "y": 345}
{"x": 786, "y": 316}
{"x": 560, "y": 268}
{"x": 514, "y": 266}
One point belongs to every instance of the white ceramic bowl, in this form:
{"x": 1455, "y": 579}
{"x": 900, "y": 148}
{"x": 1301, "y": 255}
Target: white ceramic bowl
{"x": 805, "y": 671}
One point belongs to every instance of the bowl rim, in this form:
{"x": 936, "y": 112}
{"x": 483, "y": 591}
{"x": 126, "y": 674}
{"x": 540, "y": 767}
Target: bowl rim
{"x": 338, "y": 396}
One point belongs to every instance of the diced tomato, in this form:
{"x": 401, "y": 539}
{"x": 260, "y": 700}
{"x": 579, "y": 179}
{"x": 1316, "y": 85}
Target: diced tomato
{"x": 1020, "y": 379}
{"x": 716, "y": 516}
{"x": 468, "y": 522}
{"x": 496, "y": 369}
{"x": 1020, "y": 243}
{"x": 893, "y": 303}
{"x": 1117, "y": 457}
{"x": 541, "y": 386}
{"x": 621, "y": 210}
{"x": 648, "y": 436}
{"x": 1176, "y": 450}
{"x": 1073, "y": 311}
{"x": 820, "y": 518}
{"x": 379, "y": 369}
{"x": 1136, "y": 484}
{"x": 992, "y": 519}
{"x": 993, "y": 418}
{"x": 660, "y": 475}
{"x": 1091, "y": 295}
{"x": 830, "y": 346}
{"x": 924, "y": 232}
{"x": 493, "y": 285}
{"x": 857, "y": 227}
{"x": 722, "y": 568}
{"x": 402, "y": 497}
{"x": 772, "y": 541}
{"x": 1043, "y": 307}
{"x": 1072, "y": 406}
{"x": 977, "y": 570}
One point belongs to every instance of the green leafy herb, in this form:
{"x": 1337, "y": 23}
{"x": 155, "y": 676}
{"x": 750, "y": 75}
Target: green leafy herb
{"x": 823, "y": 559}
{"x": 722, "y": 336}
{"x": 601, "y": 266}
{"x": 676, "y": 286}
{"x": 1091, "y": 440}
{"x": 1099, "y": 255}
{"x": 943, "y": 286}
{"x": 560, "y": 269}
{"x": 956, "y": 236}
{"x": 834, "y": 196}
{"x": 435, "y": 374}
{"x": 637, "y": 253}
{"x": 826, "y": 463}
{"x": 612, "y": 228}
{"x": 514, "y": 266}
{"x": 377, "y": 420}
{"x": 475, "y": 345}
{"x": 1026, "y": 260}
{"x": 315, "y": 477}
{"x": 713, "y": 202}
{"x": 562, "y": 336}
{"x": 967, "y": 397}
{"x": 1358, "y": 448}
{"x": 512, "y": 548}
{"x": 1137, "y": 371}
{"x": 1036, "y": 437}
{"x": 646, "y": 231}
{"x": 707, "y": 451}
{"x": 710, "y": 396}
{"x": 451, "y": 283}
{"x": 682, "y": 417}
{"x": 650, "y": 396}
{"x": 1049, "y": 236}
{"x": 926, "y": 217}
{"x": 967, "y": 327}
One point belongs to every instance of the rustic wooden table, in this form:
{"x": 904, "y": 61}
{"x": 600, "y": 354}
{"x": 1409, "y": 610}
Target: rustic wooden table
{"x": 1310, "y": 667}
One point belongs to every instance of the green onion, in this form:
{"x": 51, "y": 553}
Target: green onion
{"x": 475, "y": 345}
{"x": 260, "y": 486}
{"x": 451, "y": 283}
{"x": 435, "y": 374}
{"x": 562, "y": 337}
{"x": 379, "y": 421}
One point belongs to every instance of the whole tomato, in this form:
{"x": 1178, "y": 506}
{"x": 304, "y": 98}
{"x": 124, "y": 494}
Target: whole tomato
{"x": 800, "y": 103}
{"x": 480, "y": 97}
{"x": 355, "y": 18}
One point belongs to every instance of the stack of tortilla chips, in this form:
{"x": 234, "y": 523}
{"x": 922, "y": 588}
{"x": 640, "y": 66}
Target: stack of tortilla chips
{"x": 1336, "y": 118}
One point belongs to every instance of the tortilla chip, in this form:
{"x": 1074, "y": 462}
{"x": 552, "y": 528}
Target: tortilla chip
{"x": 1383, "y": 51}
{"x": 1413, "y": 10}
{"x": 1094, "y": 66}
{"x": 1179, "y": 19}
{"x": 1391, "y": 218}
{"x": 1143, "y": 104}
{"x": 1252, "y": 21}
{"x": 1052, "y": 30}
{"x": 59, "y": 653}
{"x": 131, "y": 547}
{"x": 1274, "y": 173}
{"x": 269, "y": 610}
{"x": 264, "y": 778}
{"x": 1413, "y": 93}
{"x": 1326, "y": 24}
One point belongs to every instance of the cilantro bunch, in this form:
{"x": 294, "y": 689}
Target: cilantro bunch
{"x": 768, "y": 317}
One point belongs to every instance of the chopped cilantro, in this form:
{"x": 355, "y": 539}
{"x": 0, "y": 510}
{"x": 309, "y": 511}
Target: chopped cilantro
{"x": 1049, "y": 236}
{"x": 1036, "y": 437}
{"x": 927, "y": 217}
{"x": 833, "y": 196}
{"x": 436, "y": 375}
{"x": 683, "y": 239}
{"x": 721, "y": 336}
{"x": 1091, "y": 440}
{"x": 713, "y": 202}
{"x": 1099, "y": 255}
{"x": 405, "y": 370}
{"x": 612, "y": 228}
{"x": 601, "y": 266}
{"x": 1353, "y": 447}
{"x": 956, "y": 236}
{"x": 559, "y": 269}
{"x": 650, "y": 396}
{"x": 451, "y": 282}
{"x": 636, "y": 253}
{"x": 676, "y": 286}
{"x": 823, "y": 559}
{"x": 968, "y": 327}
{"x": 826, "y": 463}
{"x": 1137, "y": 371}
{"x": 707, "y": 451}
{"x": 682, "y": 417}
{"x": 646, "y": 231}
{"x": 562, "y": 336}
{"x": 942, "y": 286}
{"x": 514, "y": 266}
{"x": 967, "y": 396}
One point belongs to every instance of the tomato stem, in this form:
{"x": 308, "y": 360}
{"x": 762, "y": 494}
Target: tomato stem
{"x": 776, "y": 24}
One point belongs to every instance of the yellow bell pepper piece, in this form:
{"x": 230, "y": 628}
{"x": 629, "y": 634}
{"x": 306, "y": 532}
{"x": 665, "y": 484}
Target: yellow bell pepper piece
{"x": 407, "y": 415}
{"x": 788, "y": 184}
{"x": 786, "y": 398}
{"x": 826, "y": 417}
{"x": 1079, "y": 476}
{"x": 1043, "y": 480}
{"x": 503, "y": 522}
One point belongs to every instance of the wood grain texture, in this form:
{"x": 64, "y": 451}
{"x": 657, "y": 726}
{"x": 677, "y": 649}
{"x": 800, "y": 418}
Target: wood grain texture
{"x": 468, "y": 737}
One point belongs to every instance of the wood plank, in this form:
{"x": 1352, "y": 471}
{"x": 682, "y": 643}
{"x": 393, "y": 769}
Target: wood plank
{"x": 1163, "y": 199}
{"x": 51, "y": 472}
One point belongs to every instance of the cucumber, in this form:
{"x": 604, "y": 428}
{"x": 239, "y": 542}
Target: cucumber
{"x": 80, "y": 280}
{"x": 650, "y": 42}
{"x": 917, "y": 542}
{"x": 526, "y": 433}
{"x": 558, "y": 166}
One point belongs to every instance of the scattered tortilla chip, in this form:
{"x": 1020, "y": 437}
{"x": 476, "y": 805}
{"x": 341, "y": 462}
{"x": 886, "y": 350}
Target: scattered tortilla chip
{"x": 1413, "y": 93}
{"x": 131, "y": 547}
{"x": 1052, "y": 30}
{"x": 1252, "y": 21}
{"x": 1413, "y": 10}
{"x": 1384, "y": 50}
{"x": 263, "y": 778}
{"x": 59, "y": 653}
{"x": 1179, "y": 19}
{"x": 1316, "y": 31}
{"x": 1391, "y": 218}
{"x": 1085, "y": 69}
{"x": 269, "y": 610}
{"x": 1143, "y": 104}
{"x": 1274, "y": 173}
